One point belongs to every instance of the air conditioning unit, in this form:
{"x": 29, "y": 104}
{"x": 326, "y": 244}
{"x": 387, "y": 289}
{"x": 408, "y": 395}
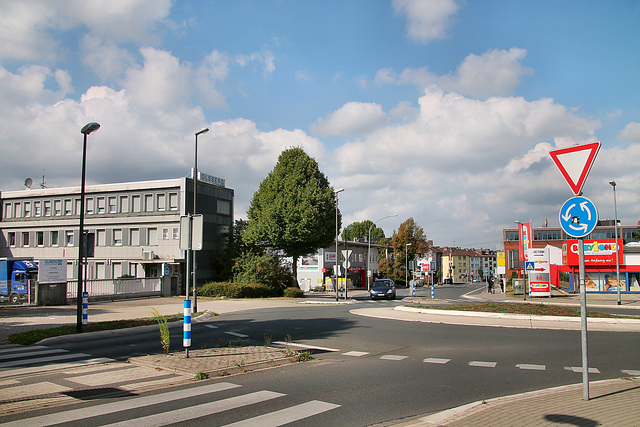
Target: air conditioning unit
{"x": 148, "y": 255}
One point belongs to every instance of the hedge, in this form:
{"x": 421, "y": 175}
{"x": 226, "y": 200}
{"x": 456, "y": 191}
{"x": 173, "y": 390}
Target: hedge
{"x": 293, "y": 293}
{"x": 234, "y": 290}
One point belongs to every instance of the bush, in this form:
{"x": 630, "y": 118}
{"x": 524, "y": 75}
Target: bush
{"x": 235, "y": 290}
{"x": 293, "y": 293}
{"x": 265, "y": 269}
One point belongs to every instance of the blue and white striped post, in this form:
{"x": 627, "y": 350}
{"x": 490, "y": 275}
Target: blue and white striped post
{"x": 85, "y": 308}
{"x": 431, "y": 290}
{"x": 186, "y": 330}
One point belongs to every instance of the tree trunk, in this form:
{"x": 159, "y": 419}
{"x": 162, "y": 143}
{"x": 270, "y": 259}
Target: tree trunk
{"x": 294, "y": 271}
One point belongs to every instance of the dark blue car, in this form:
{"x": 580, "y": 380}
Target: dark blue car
{"x": 383, "y": 288}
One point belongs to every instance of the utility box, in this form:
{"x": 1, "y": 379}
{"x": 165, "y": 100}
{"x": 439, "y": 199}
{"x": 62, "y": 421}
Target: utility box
{"x": 518, "y": 286}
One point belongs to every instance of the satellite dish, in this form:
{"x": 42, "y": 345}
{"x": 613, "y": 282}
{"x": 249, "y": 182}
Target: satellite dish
{"x": 28, "y": 182}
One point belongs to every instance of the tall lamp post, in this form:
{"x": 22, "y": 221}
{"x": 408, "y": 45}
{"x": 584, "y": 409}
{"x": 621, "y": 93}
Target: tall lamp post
{"x": 369, "y": 275}
{"x": 524, "y": 257}
{"x": 195, "y": 192}
{"x": 86, "y": 130}
{"x": 406, "y": 258}
{"x": 615, "y": 207}
{"x": 335, "y": 285}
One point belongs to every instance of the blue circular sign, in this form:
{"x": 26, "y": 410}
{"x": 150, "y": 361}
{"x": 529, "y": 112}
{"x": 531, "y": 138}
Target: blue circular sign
{"x": 578, "y": 216}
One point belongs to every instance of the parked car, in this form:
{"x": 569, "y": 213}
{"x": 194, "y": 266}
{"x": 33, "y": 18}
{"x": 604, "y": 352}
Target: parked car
{"x": 383, "y": 288}
{"x": 448, "y": 281}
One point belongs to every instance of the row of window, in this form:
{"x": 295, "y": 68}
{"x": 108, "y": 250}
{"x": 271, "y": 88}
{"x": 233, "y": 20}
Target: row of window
{"x": 557, "y": 234}
{"x": 115, "y": 237}
{"x": 94, "y": 205}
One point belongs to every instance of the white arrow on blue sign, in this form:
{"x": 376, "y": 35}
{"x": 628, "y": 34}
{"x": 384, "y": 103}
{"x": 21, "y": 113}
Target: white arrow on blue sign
{"x": 578, "y": 216}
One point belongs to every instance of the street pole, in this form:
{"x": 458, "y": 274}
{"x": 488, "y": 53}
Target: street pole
{"x": 615, "y": 207}
{"x": 406, "y": 258}
{"x": 335, "y": 285}
{"x": 195, "y": 193}
{"x": 583, "y": 322}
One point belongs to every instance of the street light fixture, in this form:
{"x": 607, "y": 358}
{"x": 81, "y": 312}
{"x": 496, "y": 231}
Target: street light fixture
{"x": 406, "y": 257}
{"x": 615, "y": 206}
{"x": 337, "y": 258}
{"x": 195, "y": 192}
{"x": 86, "y": 130}
{"x": 369, "y": 275}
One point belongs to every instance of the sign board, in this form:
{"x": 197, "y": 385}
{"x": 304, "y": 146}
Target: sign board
{"x": 540, "y": 274}
{"x": 193, "y": 240}
{"x": 524, "y": 235}
{"x": 578, "y": 216}
{"x": 346, "y": 254}
{"x": 600, "y": 252}
{"x": 500, "y": 260}
{"x": 52, "y": 271}
{"x": 529, "y": 266}
{"x": 575, "y": 163}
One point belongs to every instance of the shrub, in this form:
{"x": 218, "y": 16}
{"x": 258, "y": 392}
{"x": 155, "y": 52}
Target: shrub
{"x": 265, "y": 269}
{"x": 235, "y": 290}
{"x": 293, "y": 293}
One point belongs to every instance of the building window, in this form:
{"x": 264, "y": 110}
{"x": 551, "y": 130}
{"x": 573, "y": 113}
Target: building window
{"x": 165, "y": 234}
{"x": 11, "y": 238}
{"x": 53, "y": 238}
{"x": 40, "y": 238}
{"x": 89, "y": 206}
{"x": 124, "y": 204}
{"x": 47, "y": 208}
{"x": 152, "y": 236}
{"x": 148, "y": 203}
{"x": 27, "y": 209}
{"x": 25, "y": 239}
{"x": 161, "y": 200}
{"x": 67, "y": 207}
{"x": 78, "y": 207}
{"x": 134, "y": 237}
{"x": 68, "y": 238}
{"x": 224, "y": 207}
{"x": 7, "y": 210}
{"x": 36, "y": 209}
{"x": 176, "y": 233}
{"x": 17, "y": 210}
{"x": 101, "y": 237}
{"x": 173, "y": 201}
{"x": 112, "y": 205}
{"x": 100, "y": 203}
{"x": 57, "y": 207}
{"x": 135, "y": 203}
{"x": 117, "y": 237}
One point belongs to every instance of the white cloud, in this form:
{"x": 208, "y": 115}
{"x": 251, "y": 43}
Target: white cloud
{"x": 631, "y": 132}
{"x": 32, "y": 84}
{"x": 351, "y": 118}
{"x": 104, "y": 57}
{"x": 426, "y": 20}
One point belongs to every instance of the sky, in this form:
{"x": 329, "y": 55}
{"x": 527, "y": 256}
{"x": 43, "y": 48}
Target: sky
{"x": 443, "y": 111}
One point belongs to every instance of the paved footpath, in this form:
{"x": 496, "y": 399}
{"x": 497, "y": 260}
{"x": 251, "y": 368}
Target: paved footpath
{"x": 76, "y": 377}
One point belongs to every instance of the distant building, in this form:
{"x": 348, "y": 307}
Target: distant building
{"x": 135, "y": 226}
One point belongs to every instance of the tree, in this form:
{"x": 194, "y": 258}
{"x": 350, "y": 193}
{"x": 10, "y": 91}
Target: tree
{"x": 294, "y": 209}
{"x": 361, "y": 230}
{"x": 408, "y": 232}
{"x": 251, "y": 267}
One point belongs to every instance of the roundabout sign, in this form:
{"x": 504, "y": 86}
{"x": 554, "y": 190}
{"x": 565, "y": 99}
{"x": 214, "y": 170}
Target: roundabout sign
{"x": 578, "y": 217}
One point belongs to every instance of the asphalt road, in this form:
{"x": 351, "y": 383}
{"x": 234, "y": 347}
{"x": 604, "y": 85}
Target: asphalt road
{"x": 379, "y": 370}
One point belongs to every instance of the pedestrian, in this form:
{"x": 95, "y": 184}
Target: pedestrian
{"x": 489, "y": 285}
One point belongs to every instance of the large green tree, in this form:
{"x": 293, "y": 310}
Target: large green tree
{"x": 294, "y": 209}
{"x": 357, "y": 230}
{"x": 408, "y": 233}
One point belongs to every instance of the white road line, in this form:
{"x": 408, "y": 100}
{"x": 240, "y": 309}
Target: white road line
{"x": 436, "y": 360}
{"x": 237, "y": 334}
{"x": 22, "y": 348}
{"x": 483, "y": 364}
{"x": 65, "y": 365}
{"x": 197, "y": 411}
{"x": 124, "y": 405}
{"x": 287, "y": 415}
{"x": 211, "y": 326}
{"x": 355, "y": 353}
{"x": 393, "y": 357}
{"x": 43, "y": 359}
{"x": 312, "y": 347}
{"x": 33, "y": 353}
{"x": 531, "y": 367}
{"x": 633, "y": 373}
{"x": 578, "y": 369}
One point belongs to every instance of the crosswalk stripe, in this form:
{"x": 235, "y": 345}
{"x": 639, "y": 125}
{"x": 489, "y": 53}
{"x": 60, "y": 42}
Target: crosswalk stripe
{"x": 21, "y": 348}
{"x": 483, "y": 364}
{"x": 108, "y": 408}
{"x": 355, "y": 353}
{"x": 531, "y": 367}
{"x": 632, "y": 372}
{"x": 237, "y": 334}
{"x": 65, "y": 365}
{"x": 211, "y": 326}
{"x": 312, "y": 347}
{"x": 393, "y": 357}
{"x": 287, "y": 415}
{"x": 436, "y": 360}
{"x": 32, "y": 353}
{"x": 197, "y": 411}
{"x": 578, "y": 369}
{"x": 43, "y": 359}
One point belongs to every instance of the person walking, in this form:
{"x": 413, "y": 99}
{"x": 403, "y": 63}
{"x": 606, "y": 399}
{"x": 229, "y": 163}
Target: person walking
{"x": 489, "y": 285}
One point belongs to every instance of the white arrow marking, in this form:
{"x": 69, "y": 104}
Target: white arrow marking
{"x": 581, "y": 227}
{"x": 567, "y": 215}
{"x": 584, "y": 207}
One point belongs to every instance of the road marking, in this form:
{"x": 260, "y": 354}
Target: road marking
{"x": 483, "y": 364}
{"x": 33, "y": 353}
{"x": 531, "y": 367}
{"x": 578, "y": 369}
{"x": 634, "y": 373}
{"x": 436, "y": 360}
{"x": 39, "y": 360}
{"x": 237, "y": 334}
{"x": 22, "y": 348}
{"x": 393, "y": 357}
{"x": 287, "y": 415}
{"x": 355, "y": 353}
{"x": 211, "y": 326}
{"x": 123, "y": 405}
{"x": 197, "y": 411}
{"x": 312, "y": 347}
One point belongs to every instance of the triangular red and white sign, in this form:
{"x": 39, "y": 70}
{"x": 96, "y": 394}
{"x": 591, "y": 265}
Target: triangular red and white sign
{"x": 575, "y": 163}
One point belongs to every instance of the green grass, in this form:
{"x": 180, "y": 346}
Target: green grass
{"x": 32, "y": 337}
{"x": 537, "y": 309}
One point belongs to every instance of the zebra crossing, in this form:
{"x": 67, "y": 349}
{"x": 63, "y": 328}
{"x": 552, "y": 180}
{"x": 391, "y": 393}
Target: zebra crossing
{"x": 20, "y": 359}
{"x": 121, "y": 411}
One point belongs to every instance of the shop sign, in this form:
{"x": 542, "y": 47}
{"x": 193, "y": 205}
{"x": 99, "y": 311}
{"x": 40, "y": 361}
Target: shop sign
{"x": 596, "y": 252}
{"x": 539, "y": 275}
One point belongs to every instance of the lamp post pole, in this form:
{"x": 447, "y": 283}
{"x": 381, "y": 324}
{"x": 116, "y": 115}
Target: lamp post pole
{"x": 335, "y": 285}
{"x": 369, "y": 274}
{"x": 406, "y": 258}
{"x": 615, "y": 207}
{"x": 86, "y": 130}
{"x": 195, "y": 192}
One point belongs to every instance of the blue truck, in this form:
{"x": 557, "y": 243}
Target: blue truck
{"x": 16, "y": 277}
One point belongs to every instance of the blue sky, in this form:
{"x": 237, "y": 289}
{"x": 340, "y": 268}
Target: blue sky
{"x": 440, "y": 110}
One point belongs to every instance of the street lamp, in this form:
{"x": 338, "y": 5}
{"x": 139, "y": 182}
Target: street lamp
{"x": 86, "y": 130}
{"x": 524, "y": 257}
{"x": 615, "y": 206}
{"x": 369, "y": 250}
{"x": 195, "y": 192}
{"x": 406, "y": 258}
{"x": 337, "y": 258}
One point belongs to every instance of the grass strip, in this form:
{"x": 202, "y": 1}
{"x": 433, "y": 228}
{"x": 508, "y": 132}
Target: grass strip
{"x": 534, "y": 309}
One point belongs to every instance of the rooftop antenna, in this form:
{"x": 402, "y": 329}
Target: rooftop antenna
{"x": 43, "y": 183}
{"x": 28, "y": 182}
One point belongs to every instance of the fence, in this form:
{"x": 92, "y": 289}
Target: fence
{"x": 117, "y": 288}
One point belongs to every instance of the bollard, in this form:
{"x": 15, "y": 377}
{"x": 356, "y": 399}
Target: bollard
{"x": 186, "y": 337}
{"x": 85, "y": 307}
{"x": 431, "y": 290}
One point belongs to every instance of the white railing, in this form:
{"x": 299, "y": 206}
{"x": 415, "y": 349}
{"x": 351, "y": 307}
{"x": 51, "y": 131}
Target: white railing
{"x": 120, "y": 287}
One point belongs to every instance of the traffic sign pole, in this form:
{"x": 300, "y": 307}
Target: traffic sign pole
{"x": 583, "y": 322}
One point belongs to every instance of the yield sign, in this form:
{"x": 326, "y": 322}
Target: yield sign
{"x": 575, "y": 163}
